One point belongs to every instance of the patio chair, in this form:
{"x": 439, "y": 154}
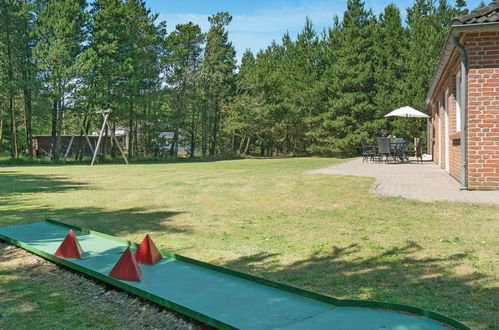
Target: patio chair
{"x": 403, "y": 152}
{"x": 369, "y": 152}
{"x": 399, "y": 148}
{"x": 419, "y": 149}
{"x": 411, "y": 152}
{"x": 384, "y": 149}
{"x": 398, "y": 140}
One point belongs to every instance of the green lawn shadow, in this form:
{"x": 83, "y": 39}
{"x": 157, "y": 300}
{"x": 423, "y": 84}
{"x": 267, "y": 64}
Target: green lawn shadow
{"x": 393, "y": 275}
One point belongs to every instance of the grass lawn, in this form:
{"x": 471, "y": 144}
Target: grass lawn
{"x": 323, "y": 233}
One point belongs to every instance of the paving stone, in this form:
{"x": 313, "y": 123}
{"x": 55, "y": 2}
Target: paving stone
{"x": 426, "y": 182}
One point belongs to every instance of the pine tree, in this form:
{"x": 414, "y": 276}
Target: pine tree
{"x": 390, "y": 44}
{"x": 350, "y": 76}
{"x": 218, "y": 67}
{"x": 105, "y": 56}
{"x": 141, "y": 80}
{"x": 182, "y": 62}
{"x": 17, "y": 74}
{"x": 268, "y": 88}
{"x": 241, "y": 114}
{"x": 106, "y": 65}
{"x": 29, "y": 75}
{"x": 426, "y": 38}
{"x": 9, "y": 43}
{"x": 305, "y": 95}
{"x": 301, "y": 72}
{"x": 61, "y": 30}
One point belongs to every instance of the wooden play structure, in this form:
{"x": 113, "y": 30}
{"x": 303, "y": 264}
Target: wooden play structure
{"x": 95, "y": 151}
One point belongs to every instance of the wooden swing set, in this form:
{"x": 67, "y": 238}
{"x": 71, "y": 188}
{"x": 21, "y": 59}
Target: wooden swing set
{"x": 95, "y": 152}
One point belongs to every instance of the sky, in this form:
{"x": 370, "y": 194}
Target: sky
{"x": 256, "y": 23}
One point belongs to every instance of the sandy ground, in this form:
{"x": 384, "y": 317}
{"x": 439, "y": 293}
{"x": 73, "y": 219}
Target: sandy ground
{"x": 135, "y": 312}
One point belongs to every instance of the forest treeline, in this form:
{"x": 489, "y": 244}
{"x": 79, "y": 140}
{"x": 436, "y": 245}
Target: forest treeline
{"x": 315, "y": 93}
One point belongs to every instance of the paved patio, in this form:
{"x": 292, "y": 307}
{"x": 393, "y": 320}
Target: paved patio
{"x": 426, "y": 182}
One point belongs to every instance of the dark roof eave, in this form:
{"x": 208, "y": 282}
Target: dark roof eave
{"x": 455, "y": 31}
{"x": 485, "y": 14}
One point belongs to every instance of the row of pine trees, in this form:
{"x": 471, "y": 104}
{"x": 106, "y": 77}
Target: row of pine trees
{"x": 316, "y": 93}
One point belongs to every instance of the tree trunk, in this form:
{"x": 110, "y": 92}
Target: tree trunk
{"x": 104, "y": 145}
{"x": 193, "y": 135}
{"x": 59, "y": 117}
{"x": 214, "y": 133}
{"x": 204, "y": 132}
{"x": 286, "y": 144}
{"x": 113, "y": 146}
{"x": 130, "y": 139}
{"x": 150, "y": 146}
{"x": 10, "y": 80}
{"x": 28, "y": 119}
{"x": 13, "y": 131}
{"x": 247, "y": 146}
{"x": 241, "y": 144}
{"x": 176, "y": 111}
{"x": 1, "y": 134}
{"x": 54, "y": 130}
{"x": 233, "y": 142}
{"x": 27, "y": 92}
{"x": 136, "y": 149}
{"x": 173, "y": 147}
{"x": 81, "y": 144}
{"x": 86, "y": 129}
{"x": 136, "y": 138}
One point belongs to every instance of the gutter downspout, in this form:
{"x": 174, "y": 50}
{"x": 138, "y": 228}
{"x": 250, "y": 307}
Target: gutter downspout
{"x": 428, "y": 135}
{"x": 463, "y": 101}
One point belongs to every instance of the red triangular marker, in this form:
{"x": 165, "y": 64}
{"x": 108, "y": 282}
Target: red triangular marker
{"x": 126, "y": 268}
{"x": 147, "y": 253}
{"x": 70, "y": 247}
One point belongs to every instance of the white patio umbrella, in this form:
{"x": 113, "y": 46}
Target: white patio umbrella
{"x": 411, "y": 112}
{"x": 407, "y": 112}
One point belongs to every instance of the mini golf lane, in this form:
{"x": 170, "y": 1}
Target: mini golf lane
{"x": 215, "y": 295}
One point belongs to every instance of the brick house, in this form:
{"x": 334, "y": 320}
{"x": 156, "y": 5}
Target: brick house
{"x": 463, "y": 101}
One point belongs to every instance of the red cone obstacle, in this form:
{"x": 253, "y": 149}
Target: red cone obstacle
{"x": 147, "y": 253}
{"x": 70, "y": 247}
{"x": 126, "y": 268}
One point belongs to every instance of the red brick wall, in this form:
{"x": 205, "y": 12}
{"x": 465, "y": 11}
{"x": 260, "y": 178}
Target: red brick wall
{"x": 434, "y": 133}
{"x": 442, "y": 129}
{"x": 483, "y": 110}
{"x": 454, "y": 131}
{"x": 438, "y": 132}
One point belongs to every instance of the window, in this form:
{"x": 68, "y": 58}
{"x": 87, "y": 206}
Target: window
{"x": 458, "y": 102}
